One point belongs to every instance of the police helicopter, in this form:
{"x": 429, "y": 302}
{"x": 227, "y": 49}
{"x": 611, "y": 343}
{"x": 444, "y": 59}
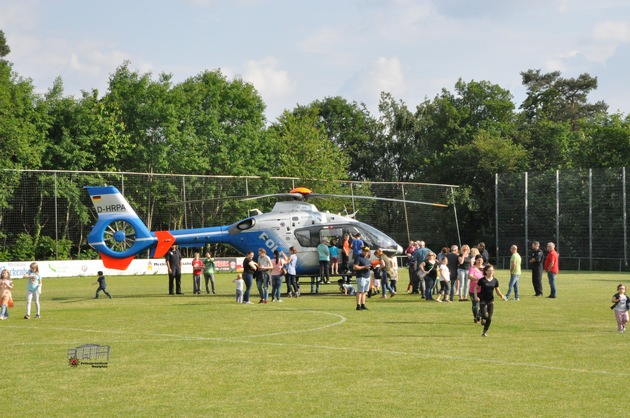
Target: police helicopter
{"x": 119, "y": 234}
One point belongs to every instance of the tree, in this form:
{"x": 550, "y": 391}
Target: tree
{"x": 551, "y": 97}
{"x": 349, "y": 126}
{"x": 477, "y": 163}
{"x": 605, "y": 143}
{"x": 219, "y": 119}
{"x": 4, "y": 47}
{"x": 397, "y": 150}
{"x": 22, "y": 125}
{"x": 301, "y": 148}
{"x": 83, "y": 134}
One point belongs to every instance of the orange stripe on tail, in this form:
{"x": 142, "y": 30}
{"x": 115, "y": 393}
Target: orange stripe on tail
{"x": 165, "y": 241}
{"x": 116, "y": 263}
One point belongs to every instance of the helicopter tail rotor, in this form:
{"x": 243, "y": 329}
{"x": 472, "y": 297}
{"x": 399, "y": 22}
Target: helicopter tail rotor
{"x": 119, "y": 234}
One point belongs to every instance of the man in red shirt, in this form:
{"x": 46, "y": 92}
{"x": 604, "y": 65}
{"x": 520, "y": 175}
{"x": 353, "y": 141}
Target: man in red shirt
{"x": 551, "y": 267}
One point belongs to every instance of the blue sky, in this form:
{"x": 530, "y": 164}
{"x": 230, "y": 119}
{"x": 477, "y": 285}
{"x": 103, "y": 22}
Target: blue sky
{"x": 296, "y": 51}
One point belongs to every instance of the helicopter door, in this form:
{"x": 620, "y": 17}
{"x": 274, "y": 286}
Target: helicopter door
{"x": 313, "y": 235}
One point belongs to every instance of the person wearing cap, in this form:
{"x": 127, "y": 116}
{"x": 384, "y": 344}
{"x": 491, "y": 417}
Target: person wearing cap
{"x": 362, "y": 265}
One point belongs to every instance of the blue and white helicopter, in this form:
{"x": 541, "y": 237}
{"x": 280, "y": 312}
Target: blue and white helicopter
{"x": 119, "y": 234}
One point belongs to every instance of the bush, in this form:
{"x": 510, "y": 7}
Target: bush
{"x": 23, "y": 249}
{"x": 47, "y": 249}
{"x": 87, "y": 254}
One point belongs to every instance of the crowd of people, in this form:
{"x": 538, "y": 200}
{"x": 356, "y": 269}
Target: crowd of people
{"x": 450, "y": 275}
{"x": 469, "y": 275}
{"x": 465, "y": 273}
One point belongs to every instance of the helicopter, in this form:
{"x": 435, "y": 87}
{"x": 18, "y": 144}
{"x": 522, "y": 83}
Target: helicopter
{"x": 119, "y": 234}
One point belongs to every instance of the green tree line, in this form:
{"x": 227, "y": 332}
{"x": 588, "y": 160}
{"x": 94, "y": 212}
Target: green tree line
{"x": 209, "y": 124}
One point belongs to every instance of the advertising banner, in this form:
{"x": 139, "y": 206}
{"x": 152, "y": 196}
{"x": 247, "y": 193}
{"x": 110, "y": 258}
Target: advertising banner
{"x": 72, "y": 268}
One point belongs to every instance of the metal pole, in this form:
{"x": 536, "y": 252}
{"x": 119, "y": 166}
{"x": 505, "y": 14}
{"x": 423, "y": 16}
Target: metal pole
{"x": 352, "y": 194}
{"x": 496, "y": 214}
{"x": 525, "y": 248}
{"x": 625, "y": 225}
{"x": 459, "y": 237}
{"x": 184, "y": 199}
{"x": 56, "y": 222}
{"x": 557, "y": 210}
{"x": 405, "y": 209}
{"x": 590, "y": 219}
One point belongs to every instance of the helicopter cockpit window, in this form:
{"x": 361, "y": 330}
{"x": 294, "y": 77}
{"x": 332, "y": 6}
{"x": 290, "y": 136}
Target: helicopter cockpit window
{"x": 305, "y": 238}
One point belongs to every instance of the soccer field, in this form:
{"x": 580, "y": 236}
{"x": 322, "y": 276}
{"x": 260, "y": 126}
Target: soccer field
{"x": 316, "y": 355}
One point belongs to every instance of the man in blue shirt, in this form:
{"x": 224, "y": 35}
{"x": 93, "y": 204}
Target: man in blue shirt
{"x": 362, "y": 265}
{"x": 357, "y": 245}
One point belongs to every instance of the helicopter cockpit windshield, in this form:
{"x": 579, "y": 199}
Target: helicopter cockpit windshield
{"x": 374, "y": 238}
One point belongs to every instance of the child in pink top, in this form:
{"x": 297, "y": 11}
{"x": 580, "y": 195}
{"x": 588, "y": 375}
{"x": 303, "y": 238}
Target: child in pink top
{"x": 474, "y": 274}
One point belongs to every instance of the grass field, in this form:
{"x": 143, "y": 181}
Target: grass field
{"x": 314, "y": 356}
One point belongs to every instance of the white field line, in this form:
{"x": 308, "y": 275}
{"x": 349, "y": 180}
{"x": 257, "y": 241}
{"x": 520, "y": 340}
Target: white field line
{"x": 341, "y": 319}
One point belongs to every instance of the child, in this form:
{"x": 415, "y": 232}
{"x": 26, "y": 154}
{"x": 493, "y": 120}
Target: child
{"x": 334, "y": 257}
{"x": 239, "y": 287}
{"x": 208, "y": 273}
{"x": 100, "y": 281}
{"x": 33, "y": 290}
{"x": 621, "y": 302}
{"x": 445, "y": 281}
{"x": 6, "y": 299}
{"x": 375, "y": 279}
{"x": 346, "y": 289}
{"x": 197, "y": 265}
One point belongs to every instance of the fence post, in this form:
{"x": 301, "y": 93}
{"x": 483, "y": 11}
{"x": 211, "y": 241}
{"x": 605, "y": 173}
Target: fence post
{"x": 590, "y": 219}
{"x": 526, "y": 247}
{"x": 625, "y": 230}
{"x": 185, "y": 204}
{"x": 459, "y": 237}
{"x": 496, "y": 214}
{"x": 56, "y": 220}
{"x": 557, "y": 210}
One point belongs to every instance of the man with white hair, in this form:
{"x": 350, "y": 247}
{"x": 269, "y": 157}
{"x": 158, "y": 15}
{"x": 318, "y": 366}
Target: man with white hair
{"x": 417, "y": 258}
{"x": 551, "y": 267}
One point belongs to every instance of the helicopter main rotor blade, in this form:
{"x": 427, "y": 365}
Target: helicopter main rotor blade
{"x": 296, "y": 196}
{"x": 415, "y": 202}
{"x": 300, "y": 196}
{"x": 210, "y": 199}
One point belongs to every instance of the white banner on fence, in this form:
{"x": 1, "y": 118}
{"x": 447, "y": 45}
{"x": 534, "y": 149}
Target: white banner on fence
{"x": 91, "y": 267}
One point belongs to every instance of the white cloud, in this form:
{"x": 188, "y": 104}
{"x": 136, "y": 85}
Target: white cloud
{"x": 273, "y": 84}
{"x": 611, "y": 31}
{"x": 321, "y": 41}
{"x": 268, "y": 79}
{"x": 383, "y": 75}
